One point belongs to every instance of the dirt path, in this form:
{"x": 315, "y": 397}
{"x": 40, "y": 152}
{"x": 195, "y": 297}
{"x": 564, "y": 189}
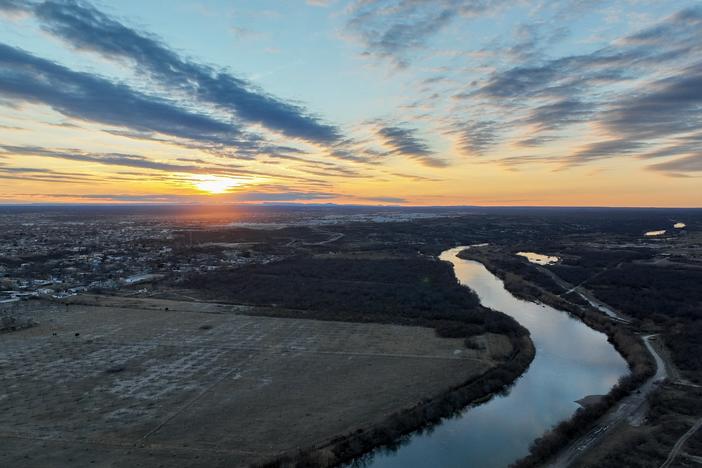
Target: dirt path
{"x": 333, "y": 237}
{"x": 679, "y": 444}
{"x": 586, "y": 295}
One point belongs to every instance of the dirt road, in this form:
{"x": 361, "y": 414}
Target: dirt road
{"x": 679, "y": 444}
{"x": 586, "y": 295}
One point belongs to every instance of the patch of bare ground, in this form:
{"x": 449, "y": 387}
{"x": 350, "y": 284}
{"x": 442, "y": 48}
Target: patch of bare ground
{"x": 124, "y": 382}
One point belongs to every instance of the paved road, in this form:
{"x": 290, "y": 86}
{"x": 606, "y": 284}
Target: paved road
{"x": 631, "y": 409}
{"x": 334, "y": 236}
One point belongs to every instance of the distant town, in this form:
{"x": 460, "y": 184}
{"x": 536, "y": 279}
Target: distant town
{"x": 42, "y": 255}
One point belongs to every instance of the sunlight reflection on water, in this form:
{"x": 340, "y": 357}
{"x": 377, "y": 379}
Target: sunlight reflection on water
{"x": 540, "y": 259}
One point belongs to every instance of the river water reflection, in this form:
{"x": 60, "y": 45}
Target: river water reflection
{"x": 572, "y": 361}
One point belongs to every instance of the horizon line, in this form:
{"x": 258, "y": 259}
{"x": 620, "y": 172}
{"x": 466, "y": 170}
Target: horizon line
{"x": 341, "y": 205}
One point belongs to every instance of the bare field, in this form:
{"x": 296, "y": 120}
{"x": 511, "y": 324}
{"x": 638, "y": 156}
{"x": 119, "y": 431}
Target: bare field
{"x": 123, "y": 382}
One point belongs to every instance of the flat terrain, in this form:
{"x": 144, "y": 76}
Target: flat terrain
{"x": 124, "y": 382}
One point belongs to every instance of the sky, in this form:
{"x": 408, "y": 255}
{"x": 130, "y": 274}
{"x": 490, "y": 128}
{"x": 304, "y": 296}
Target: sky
{"x": 395, "y": 102}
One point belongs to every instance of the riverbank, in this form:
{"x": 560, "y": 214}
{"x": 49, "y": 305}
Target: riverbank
{"x": 629, "y": 345}
{"x": 390, "y": 432}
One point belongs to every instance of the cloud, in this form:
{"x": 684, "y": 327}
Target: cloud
{"x": 475, "y": 138}
{"x": 317, "y": 167}
{"x": 248, "y": 196}
{"x": 617, "y": 90}
{"x": 681, "y": 146}
{"x": 393, "y": 28}
{"x": 112, "y": 159}
{"x": 604, "y": 149}
{"x": 404, "y": 141}
{"x": 518, "y": 82}
{"x": 531, "y": 39}
{"x": 85, "y": 28}
{"x": 627, "y": 59}
{"x": 248, "y": 145}
{"x": 664, "y": 108}
{"x": 119, "y": 198}
{"x": 620, "y": 61}
{"x": 479, "y": 137}
{"x": 391, "y": 200}
{"x": 416, "y": 178}
{"x": 682, "y": 24}
{"x": 691, "y": 163}
{"x": 14, "y": 7}
{"x": 559, "y": 113}
{"x": 30, "y": 79}
{"x": 11, "y": 127}
{"x": 251, "y": 196}
{"x": 171, "y": 169}
{"x": 43, "y": 175}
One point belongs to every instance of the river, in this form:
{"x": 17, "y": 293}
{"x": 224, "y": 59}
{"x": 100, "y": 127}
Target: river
{"x": 572, "y": 361}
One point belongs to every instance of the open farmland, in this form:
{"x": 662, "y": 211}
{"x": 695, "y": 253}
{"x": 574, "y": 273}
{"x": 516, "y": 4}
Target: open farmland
{"x": 127, "y": 382}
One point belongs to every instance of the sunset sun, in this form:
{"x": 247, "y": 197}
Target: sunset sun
{"x": 215, "y": 185}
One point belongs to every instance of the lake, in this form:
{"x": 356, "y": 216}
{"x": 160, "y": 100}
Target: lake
{"x": 539, "y": 259}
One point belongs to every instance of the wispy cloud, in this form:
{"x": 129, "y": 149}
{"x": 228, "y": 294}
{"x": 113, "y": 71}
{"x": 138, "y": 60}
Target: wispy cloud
{"x": 113, "y": 159}
{"x": 404, "y": 141}
{"x": 14, "y": 7}
{"x": 687, "y": 164}
{"x": 117, "y": 198}
{"x": 665, "y": 108}
{"x": 44, "y": 175}
{"x": 388, "y": 200}
{"x": 475, "y": 138}
{"x": 617, "y": 91}
{"x": 254, "y": 196}
{"x": 662, "y": 111}
{"x": 392, "y": 29}
{"x": 170, "y": 169}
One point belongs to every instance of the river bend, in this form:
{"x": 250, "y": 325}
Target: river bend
{"x": 572, "y": 361}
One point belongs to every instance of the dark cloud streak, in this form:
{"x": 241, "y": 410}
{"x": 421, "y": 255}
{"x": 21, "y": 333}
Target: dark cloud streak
{"x": 27, "y": 78}
{"x": 84, "y": 27}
